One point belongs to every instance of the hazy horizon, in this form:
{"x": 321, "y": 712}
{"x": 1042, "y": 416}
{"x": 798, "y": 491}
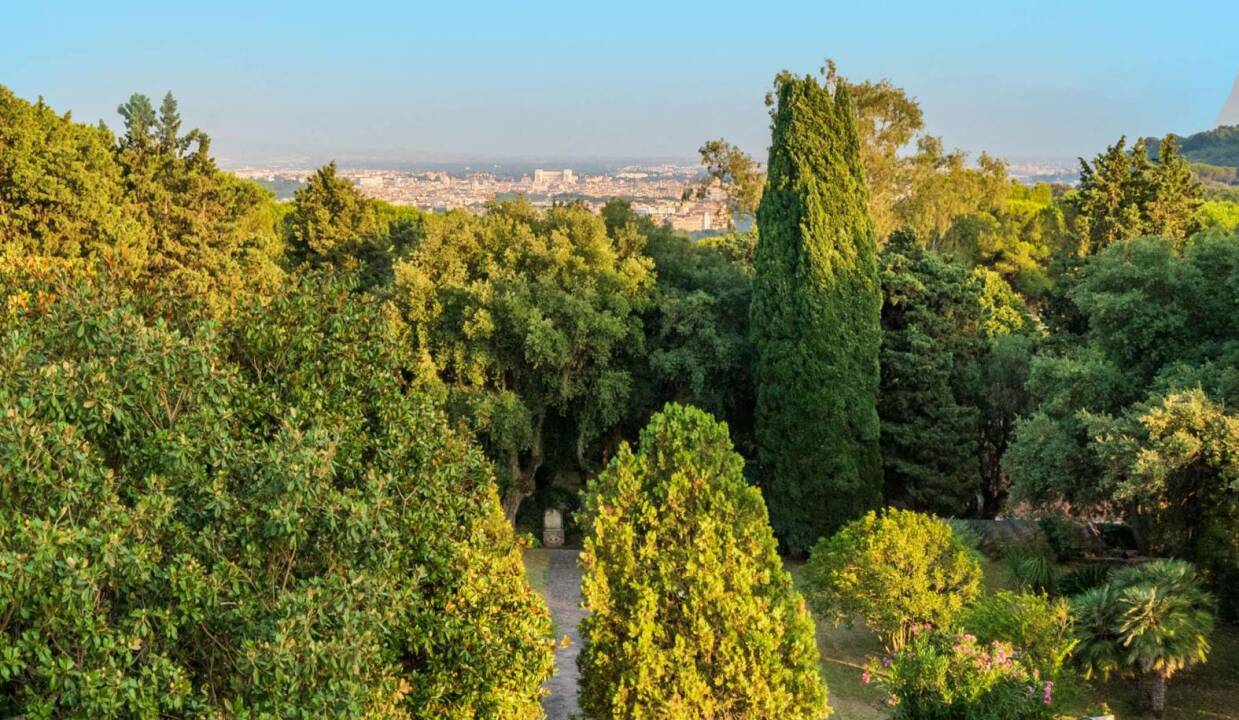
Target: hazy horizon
{"x": 478, "y": 82}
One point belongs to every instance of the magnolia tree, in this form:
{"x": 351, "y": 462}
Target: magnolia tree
{"x": 691, "y": 612}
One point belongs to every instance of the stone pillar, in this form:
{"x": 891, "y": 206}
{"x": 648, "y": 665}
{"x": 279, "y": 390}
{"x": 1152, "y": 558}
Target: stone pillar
{"x": 552, "y": 528}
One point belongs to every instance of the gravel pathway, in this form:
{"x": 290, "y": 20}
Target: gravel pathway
{"x": 564, "y": 599}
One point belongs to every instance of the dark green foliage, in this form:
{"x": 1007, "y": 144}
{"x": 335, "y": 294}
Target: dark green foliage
{"x": 697, "y": 327}
{"x": 1124, "y": 195}
{"x": 815, "y": 319}
{"x": 529, "y": 320}
{"x": 692, "y": 615}
{"x": 931, "y": 344}
{"x": 1032, "y": 567}
{"x": 1136, "y": 414}
{"x": 1156, "y": 321}
{"x": 1083, "y": 579}
{"x": 250, "y": 519}
{"x": 1148, "y": 305}
{"x": 1219, "y": 146}
{"x": 1002, "y": 399}
{"x": 1062, "y": 535}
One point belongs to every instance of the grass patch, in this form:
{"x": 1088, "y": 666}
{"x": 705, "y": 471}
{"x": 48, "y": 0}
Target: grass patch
{"x": 537, "y": 568}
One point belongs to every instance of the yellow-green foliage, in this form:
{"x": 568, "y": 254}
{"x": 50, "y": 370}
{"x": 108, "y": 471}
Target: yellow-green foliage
{"x": 1038, "y": 626}
{"x": 692, "y": 615}
{"x": 898, "y": 570}
{"x": 254, "y": 519}
{"x": 174, "y": 223}
{"x": 60, "y": 185}
{"x": 1218, "y": 215}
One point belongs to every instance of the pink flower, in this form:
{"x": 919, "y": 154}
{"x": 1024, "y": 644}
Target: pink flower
{"x": 865, "y": 677}
{"x": 1047, "y": 692}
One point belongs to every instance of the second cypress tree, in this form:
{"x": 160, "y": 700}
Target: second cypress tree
{"x": 816, "y": 318}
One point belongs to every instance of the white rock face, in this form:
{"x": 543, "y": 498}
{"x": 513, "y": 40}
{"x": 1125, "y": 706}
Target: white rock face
{"x": 1230, "y": 111}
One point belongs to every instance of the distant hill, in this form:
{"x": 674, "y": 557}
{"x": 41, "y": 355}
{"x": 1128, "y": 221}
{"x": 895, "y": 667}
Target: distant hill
{"x": 1219, "y": 146}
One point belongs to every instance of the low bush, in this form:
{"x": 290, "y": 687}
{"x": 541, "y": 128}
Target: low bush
{"x": 941, "y": 675}
{"x": 1039, "y": 626}
{"x": 1032, "y": 567}
{"x": 1083, "y": 579}
{"x": 897, "y": 570}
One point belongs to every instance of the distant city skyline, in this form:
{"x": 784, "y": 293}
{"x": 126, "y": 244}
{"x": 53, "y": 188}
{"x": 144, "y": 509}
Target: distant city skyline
{"x": 556, "y": 82}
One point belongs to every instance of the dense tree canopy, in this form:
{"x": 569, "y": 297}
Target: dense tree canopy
{"x": 815, "y": 319}
{"x": 252, "y": 519}
{"x": 145, "y": 202}
{"x": 1124, "y": 195}
{"x": 60, "y": 187}
{"x": 262, "y": 459}
{"x": 526, "y": 316}
{"x": 931, "y": 347}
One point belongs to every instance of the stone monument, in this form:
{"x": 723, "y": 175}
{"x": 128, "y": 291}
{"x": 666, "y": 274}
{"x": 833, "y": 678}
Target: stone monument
{"x": 552, "y": 528}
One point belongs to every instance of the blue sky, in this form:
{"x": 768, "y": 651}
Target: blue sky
{"x": 459, "y": 79}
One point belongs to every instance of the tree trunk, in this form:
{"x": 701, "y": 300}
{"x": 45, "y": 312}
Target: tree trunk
{"x": 1155, "y": 692}
{"x": 523, "y": 477}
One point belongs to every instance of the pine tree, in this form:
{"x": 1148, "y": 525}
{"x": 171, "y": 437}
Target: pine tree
{"x": 169, "y": 126}
{"x": 1171, "y": 211}
{"x": 140, "y": 122}
{"x": 815, "y": 318}
{"x": 1124, "y": 195}
{"x": 931, "y": 346}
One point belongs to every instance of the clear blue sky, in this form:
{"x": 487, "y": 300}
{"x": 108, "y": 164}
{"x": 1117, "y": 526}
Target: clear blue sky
{"x": 581, "y": 79}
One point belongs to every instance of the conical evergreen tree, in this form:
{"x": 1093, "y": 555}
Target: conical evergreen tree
{"x": 815, "y": 319}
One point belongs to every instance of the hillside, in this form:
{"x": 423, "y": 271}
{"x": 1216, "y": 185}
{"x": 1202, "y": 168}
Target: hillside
{"x": 1219, "y": 146}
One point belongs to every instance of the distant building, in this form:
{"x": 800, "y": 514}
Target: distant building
{"x": 543, "y": 178}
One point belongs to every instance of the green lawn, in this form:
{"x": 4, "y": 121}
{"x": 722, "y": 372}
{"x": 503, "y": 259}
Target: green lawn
{"x": 537, "y": 569}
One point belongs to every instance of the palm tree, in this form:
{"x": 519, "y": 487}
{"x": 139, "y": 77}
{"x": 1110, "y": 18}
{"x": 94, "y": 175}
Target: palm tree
{"x": 1150, "y": 621}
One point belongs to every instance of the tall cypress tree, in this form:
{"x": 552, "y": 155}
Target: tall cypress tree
{"x": 816, "y": 318}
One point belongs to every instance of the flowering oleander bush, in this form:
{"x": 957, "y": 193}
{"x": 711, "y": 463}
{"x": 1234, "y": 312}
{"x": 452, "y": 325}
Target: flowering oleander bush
{"x": 947, "y": 676}
{"x": 1037, "y": 624}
